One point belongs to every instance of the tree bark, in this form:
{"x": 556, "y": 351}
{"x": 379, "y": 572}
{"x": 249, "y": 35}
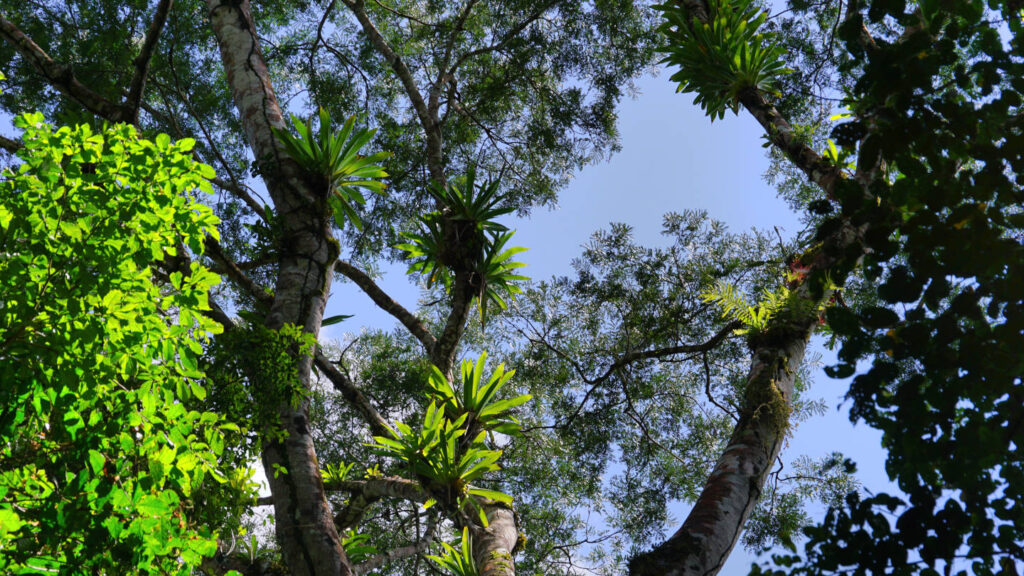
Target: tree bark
{"x": 704, "y": 541}
{"x": 706, "y": 538}
{"x": 494, "y": 545}
{"x": 303, "y": 520}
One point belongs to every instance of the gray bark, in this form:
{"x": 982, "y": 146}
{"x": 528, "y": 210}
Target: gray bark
{"x": 303, "y": 519}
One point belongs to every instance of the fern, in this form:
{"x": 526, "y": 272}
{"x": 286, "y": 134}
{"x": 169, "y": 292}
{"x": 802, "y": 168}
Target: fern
{"x": 735, "y": 306}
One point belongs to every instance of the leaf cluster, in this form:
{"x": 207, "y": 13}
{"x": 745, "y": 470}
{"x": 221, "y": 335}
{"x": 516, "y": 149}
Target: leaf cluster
{"x": 463, "y": 236}
{"x": 734, "y": 305}
{"x": 935, "y": 108}
{"x": 449, "y": 450}
{"x": 101, "y": 455}
{"x": 458, "y": 562}
{"x": 334, "y": 156}
{"x": 722, "y": 58}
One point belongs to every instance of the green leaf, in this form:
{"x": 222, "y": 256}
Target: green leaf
{"x": 491, "y": 495}
{"x": 96, "y": 461}
{"x": 153, "y": 506}
{"x": 332, "y": 320}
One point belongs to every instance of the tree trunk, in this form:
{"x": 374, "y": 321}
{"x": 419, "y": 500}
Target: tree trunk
{"x": 493, "y": 546}
{"x": 706, "y": 538}
{"x": 704, "y": 541}
{"x": 303, "y": 519}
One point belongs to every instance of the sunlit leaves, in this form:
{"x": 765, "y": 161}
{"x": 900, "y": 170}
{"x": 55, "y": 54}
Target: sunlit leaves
{"x": 99, "y": 451}
{"x": 440, "y": 450}
{"x": 478, "y": 401}
{"x": 734, "y": 305}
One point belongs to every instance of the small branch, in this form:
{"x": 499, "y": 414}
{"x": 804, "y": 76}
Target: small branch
{"x": 707, "y": 390}
{"x": 405, "y": 76}
{"x": 142, "y": 61}
{"x": 387, "y": 304}
{"x": 445, "y": 75}
{"x": 9, "y": 145}
{"x": 638, "y": 419}
{"x": 228, "y": 266}
{"x": 417, "y": 547}
{"x": 60, "y": 75}
{"x": 400, "y": 14}
{"x": 352, "y": 394}
{"x": 512, "y": 33}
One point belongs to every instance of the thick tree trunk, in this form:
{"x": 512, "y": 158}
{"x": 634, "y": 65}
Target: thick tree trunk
{"x": 303, "y": 519}
{"x": 704, "y": 541}
{"x": 706, "y": 538}
{"x": 493, "y": 546}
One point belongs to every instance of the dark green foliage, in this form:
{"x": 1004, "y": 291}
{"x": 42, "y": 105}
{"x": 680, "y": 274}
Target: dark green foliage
{"x": 723, "y": 58}
{"x": 938, "y": 99}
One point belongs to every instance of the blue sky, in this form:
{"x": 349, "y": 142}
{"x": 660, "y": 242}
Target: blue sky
{"x": 673, "y": 159}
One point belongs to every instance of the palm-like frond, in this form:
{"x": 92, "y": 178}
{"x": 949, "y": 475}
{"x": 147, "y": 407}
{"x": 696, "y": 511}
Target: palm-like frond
{"x": 720, "y": 59}
{"x": 478, "y": 399}
{"x": 473, "y": 208}
{"x": 734, "y": 305}
{"x": 457, "y": 561}
{"x": 335, "y": 156}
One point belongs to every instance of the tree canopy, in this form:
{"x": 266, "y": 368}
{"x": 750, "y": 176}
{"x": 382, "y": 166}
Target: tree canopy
{"x": 476, "y": 437}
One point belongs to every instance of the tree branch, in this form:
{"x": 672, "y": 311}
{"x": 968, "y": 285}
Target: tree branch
{"x": 405, "y": 76}
{"x": 443, "y": 354}
{"x": 9, "y": 145}
{"x": 417, "y": 547}
{"x": 387, "y": 304}
{"x": 715, "y": 340}
{"x": 366, "y": 492}
{"x": 390, "y": 487}
{"x": 512, "y": 33}
{"x": 444, "y": 75}
{"x": 59, "y": 75}
{"x": 626, "y": 359}
{"x": 229, "y": 267}
{"x": 142, "y": 61}
{"x": 352, "y": 394}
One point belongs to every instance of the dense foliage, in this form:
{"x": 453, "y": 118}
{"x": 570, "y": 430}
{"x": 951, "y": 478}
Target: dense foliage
{"x": 101, "y": 460}
{"x": 936, "y": 106}
{"x": 647, "y": 377}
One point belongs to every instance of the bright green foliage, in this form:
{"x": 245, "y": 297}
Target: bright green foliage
{"x": 734, "y": 305}
{"x": 99, "y": 456}
{"x": 720, "y": 59}
{"x": 334, "y": 155}
{"x": 458, "y": 562}
{"x": 439, "y": 451}
{"x": 471, "y": 203}
{"x": 433, "y": 451}
{"x": 478, "y": 402}
{"x": 468, "y": 215}
{"x": 357, "y": 547}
